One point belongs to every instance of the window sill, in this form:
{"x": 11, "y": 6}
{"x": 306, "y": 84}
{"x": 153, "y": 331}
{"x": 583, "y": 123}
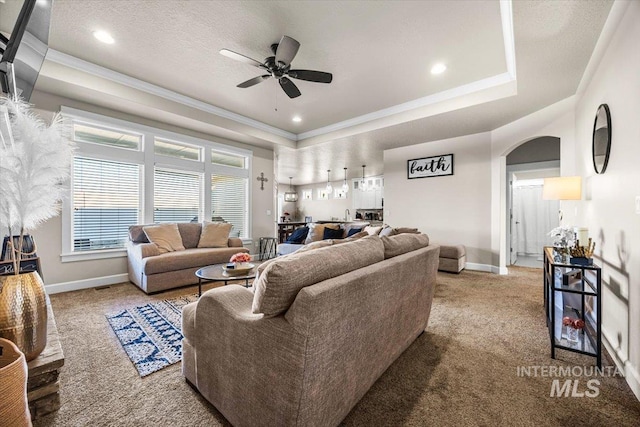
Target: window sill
{"x": 92, "y": 255}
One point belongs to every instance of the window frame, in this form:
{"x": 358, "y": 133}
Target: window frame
{"x": 148, "y": 161}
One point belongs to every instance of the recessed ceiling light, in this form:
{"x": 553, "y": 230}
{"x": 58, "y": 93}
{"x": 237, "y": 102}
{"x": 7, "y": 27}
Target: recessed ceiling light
{"x": 439, "y": 68}
{"x": 104, "y": 37}
{"x": 296, "y": 119}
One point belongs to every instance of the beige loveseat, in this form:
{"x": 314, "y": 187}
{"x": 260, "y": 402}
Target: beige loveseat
{"x": 321, "y": 328}
{"x": 153, "y": 271}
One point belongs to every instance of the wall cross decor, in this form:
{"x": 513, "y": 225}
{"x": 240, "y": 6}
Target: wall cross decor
{"x": 262, "y": 180}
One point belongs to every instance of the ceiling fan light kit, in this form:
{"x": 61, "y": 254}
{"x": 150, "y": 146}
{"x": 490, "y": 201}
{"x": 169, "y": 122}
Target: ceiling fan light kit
{"x": 279, "y": 67}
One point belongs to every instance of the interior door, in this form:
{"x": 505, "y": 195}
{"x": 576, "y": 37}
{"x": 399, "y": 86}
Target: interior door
{"x": 513, "y": 229}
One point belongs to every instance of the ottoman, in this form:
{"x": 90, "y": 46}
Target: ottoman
{"x": 452, "y": 258}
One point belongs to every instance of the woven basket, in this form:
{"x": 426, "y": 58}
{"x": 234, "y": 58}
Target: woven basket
{"x": 14, "y": 410}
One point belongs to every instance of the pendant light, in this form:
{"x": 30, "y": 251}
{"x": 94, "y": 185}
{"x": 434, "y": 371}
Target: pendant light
{"x": 290, "y": 196}
{"x": 329, "y": 187}
{"x": 363, "y": 182}
{"x": 345, "y": 184}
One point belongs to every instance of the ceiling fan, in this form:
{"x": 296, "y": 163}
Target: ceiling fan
{"x": 279, "y": 67}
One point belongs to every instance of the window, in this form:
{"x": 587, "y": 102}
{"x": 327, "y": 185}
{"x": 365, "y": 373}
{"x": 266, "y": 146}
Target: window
{"x": 323, "y": 194}
{"x": 126, "y": 174}
{"x": 176, "y": 149}
{"x": 106, "y": 201}
{"x": 176, "y": 196}
{"x": 229, "y": 202}
{"x": 219, "y": 158}
{"x": 307, "y": 194}
{"x": 113, "y": 138}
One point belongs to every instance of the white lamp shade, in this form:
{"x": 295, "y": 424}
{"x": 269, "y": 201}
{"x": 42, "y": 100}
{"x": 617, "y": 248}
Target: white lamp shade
{"x": 562, "y": 188}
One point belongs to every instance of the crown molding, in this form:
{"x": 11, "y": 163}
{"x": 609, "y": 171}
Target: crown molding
{"x": 114, "y": 76}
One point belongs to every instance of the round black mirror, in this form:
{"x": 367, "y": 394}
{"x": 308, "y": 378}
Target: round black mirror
{"x": 601, "y": 139}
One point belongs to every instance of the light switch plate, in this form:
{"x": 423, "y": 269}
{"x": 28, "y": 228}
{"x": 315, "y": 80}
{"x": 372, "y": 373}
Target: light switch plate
{"x": 638, "y": 205}
{"x": 268, "y": 212}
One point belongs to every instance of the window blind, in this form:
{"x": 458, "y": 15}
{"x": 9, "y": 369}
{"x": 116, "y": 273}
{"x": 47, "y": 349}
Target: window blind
{"x": 229, "y": 202}
{"x": 106, "y": 201}
{"x": 177, "y": 196}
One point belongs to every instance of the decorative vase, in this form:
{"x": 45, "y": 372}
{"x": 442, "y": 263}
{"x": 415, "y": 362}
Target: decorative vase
{"x": 14, "y": 410}
{"x": 23, "y": 312}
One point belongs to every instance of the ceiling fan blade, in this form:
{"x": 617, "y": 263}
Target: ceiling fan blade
{"x": 289, "y": 87}
{"x": 311, "y": 76}
{"x": 239, "y": 57}
{"x": 253, "y": 81}
{"x": 287, "y": 49}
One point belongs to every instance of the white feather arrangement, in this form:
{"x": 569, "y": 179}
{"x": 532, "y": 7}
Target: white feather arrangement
{"x": 33, "y": 168}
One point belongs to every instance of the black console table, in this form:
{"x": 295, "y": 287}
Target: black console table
{"x": 573, "y": 292}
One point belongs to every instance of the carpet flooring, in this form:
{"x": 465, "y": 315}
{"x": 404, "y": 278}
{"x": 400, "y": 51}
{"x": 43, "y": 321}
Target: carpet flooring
{"x": 463, "y": 371}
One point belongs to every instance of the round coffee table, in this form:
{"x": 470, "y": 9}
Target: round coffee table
{"x": 215, "y": 273}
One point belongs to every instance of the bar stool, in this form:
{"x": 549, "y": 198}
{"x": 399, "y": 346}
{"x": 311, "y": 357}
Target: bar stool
{"x": 267, "y": 247}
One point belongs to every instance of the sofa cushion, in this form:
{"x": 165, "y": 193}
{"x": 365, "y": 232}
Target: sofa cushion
{"x": 280, "y": 282}
{"x": 190, "y": 233}
{"x": 166, "y": 236}
{"x": 188, "y": 258}
{"x": 214, "y": 235}
{"x": 315, "y": 245}
{"x": 403, "y": 243}
{"x": 353, "y": 231}
{"x": 316, "y": 231}
{"x": 373, "y": 231}
{"x": 299, "y": 235}
{"x": 403, "y": 230}
{"x": 386, "y": 231}
{"x": 330, "y": 233}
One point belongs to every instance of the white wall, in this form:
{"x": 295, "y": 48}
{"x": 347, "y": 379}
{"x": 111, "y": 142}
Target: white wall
{"x": 325, "y": 209}
{"x": 608, "y": 207}
{"x": 48, "y": 237}
{"x": 450, "y": 209}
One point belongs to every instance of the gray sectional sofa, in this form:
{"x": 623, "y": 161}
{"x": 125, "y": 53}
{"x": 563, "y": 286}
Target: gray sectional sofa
{"x": 153, "y": 271}
{"x": 320, "y": 329}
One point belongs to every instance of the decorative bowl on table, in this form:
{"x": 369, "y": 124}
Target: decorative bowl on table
{"x": 240, "y": 269}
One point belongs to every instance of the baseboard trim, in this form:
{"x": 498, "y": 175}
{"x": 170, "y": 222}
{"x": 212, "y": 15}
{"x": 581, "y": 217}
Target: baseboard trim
{"x": 76, "y": 285}
{"x": 630, "y": 373}
{"x": 478, "y": 267}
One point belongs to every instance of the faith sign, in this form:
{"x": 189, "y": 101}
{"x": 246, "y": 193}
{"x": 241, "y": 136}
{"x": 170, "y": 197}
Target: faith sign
{"x": 428, "y": 167}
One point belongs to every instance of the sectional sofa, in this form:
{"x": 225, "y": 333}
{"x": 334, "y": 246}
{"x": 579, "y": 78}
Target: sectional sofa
{"x": 322, "y": 326}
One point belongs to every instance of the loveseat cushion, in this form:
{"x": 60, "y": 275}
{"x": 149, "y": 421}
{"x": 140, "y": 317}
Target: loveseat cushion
{"x": 280, "y": 282}
{"x": 188, "y": 258}
{"x": 403, "y": 243}
{"x": 166, "y": 236}
{"x": 214, "y": 235}
{"x": 190, "y": 233}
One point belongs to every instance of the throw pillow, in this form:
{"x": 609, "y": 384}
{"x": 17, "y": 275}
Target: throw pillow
{"x": 353, "y": 231}
{"x": 214, "y": 235}
{"x": 165, "y": 236}
{"x": 316, "y": 232}
{"x": 298, "y": 235}
{"x": 373, "y": 231}
{"x": 330, "y": 233}
{"x": 314, "y": 245}
{"x": 387, "y": 231}
{"x": 403, "y": 243}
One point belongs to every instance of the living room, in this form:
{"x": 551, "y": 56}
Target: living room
{"x": 529, "y": 70}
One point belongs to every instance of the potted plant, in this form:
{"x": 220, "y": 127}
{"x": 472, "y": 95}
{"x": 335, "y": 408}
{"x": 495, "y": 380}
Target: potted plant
{"x": 35, "y": 160}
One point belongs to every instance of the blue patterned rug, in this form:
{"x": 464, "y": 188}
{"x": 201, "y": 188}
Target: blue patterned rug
{"x": 151, "y": 334}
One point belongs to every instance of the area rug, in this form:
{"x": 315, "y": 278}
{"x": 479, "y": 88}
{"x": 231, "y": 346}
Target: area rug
{"x": 151, "y": 334}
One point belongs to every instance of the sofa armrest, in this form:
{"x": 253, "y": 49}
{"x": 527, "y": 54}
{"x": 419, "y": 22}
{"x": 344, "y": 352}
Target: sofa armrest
{"x": 235, "y": 242}
{"x": 142, "y": 250}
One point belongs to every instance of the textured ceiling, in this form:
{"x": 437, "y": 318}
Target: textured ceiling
{"x": 379, "y": 52}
